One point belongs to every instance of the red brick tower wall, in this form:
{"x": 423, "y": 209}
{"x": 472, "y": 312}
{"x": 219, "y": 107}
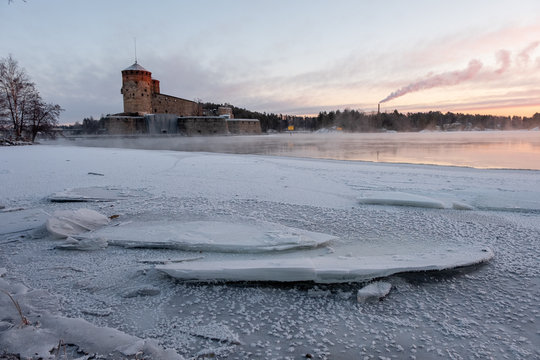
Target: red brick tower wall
{"x": 137, "y": 89}
{"x": 155, "y": 86}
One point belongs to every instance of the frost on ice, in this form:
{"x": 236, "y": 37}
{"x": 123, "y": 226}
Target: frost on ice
{"x": 325, "y": 269}
{"x": 65, "y": 223}
{"x": 215, "y": 236}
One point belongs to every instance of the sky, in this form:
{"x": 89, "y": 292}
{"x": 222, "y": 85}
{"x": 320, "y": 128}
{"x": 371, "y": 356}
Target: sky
{"x": 296, "y": 57}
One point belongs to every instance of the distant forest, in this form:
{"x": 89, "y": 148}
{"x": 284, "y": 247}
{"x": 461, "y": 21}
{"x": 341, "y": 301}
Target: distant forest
{"x": 358, "y": 121}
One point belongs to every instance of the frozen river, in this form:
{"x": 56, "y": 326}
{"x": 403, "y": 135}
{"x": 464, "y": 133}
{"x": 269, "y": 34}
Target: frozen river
{"x": 488, "y": 149}
{"x": 476, "y": 312}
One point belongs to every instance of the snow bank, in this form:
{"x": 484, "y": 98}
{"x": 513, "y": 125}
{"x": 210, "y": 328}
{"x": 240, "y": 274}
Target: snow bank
{"x": 215, "y": 236}
{"x": 325, "y": 269}
{"x": 63, "y": 224}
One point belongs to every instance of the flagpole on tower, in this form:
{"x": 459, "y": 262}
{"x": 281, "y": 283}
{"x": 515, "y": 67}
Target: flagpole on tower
{"x": 135, "y": 44}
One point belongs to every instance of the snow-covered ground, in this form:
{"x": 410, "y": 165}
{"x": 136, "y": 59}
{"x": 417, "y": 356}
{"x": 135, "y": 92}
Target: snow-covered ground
{"x": 354, "y": 210}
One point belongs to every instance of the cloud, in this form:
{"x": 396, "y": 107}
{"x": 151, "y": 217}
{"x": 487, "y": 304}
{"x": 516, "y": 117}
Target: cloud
{"x": 524, "y": 55}
{"x": 503, "y": 58}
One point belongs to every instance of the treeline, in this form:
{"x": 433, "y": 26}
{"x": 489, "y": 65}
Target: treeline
{"x": 357, "y": 121}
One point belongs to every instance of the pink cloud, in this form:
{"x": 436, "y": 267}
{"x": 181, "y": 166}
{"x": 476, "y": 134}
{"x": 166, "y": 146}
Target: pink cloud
{"x": 524, "y": 55}
{"x": 503, "y": 58}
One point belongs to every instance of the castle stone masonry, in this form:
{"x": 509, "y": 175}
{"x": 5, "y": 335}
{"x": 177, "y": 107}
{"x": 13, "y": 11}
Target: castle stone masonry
{"x": 142, "y": 96}
{"x": 147, "y": 111}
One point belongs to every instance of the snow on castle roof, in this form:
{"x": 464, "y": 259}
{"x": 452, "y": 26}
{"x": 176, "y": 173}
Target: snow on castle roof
{"x": 135, "y": 66}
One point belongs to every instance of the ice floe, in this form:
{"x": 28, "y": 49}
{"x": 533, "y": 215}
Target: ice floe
{"x": 94, "y": 194}
{"x": 215, "y": 236}
{"x": 65, "y": 223}
{"x": 373, "y": 292}
{"x": 406, "y": 199}
{"x": 326, "y": 269}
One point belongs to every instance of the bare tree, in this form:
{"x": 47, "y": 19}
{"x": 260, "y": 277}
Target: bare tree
{"x": 16, "y": 91}
{"x": 42, "y": 117}
{"x": 21, "y": 106}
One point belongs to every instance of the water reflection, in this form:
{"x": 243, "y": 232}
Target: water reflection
{"x": 504, "y": 149}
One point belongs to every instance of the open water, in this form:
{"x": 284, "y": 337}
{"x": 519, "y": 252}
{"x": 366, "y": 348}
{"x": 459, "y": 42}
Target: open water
{"x": 485, "y": 150}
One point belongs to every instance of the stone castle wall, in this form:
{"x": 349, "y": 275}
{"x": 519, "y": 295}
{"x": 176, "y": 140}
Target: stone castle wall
{"x": 171, "y": 124}
{"x": 244, "y": 126}
{"x": 202, "y": 125}
{"x": 166, "y": 104}
{"x": 125, "y": 125}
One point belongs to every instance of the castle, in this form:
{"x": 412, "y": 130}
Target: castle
{"x": 148, "y": 111}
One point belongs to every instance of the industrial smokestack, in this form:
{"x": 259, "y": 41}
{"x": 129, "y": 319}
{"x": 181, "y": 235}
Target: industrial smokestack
{"x": 378, "y": 108}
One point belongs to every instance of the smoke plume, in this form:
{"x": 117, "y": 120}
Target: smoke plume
{"x": 444, "y": 79}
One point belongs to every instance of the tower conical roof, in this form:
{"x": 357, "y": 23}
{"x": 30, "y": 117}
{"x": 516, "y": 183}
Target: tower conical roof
{"x": 135, "y": 66}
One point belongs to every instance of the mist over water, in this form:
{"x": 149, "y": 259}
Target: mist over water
{"x": 495, "y": 149}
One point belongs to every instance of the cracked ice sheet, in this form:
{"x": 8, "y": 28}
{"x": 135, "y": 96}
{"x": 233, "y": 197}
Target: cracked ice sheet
{"x": 16, "y": 221}
{"x": 95, "y": 194}
{"x": 214, "y": 236}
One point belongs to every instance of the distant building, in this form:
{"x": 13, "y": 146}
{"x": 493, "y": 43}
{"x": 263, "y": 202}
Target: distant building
{"x": 148, "y": 111}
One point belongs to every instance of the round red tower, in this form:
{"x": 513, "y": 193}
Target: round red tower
{"x": 137, "y": 89}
